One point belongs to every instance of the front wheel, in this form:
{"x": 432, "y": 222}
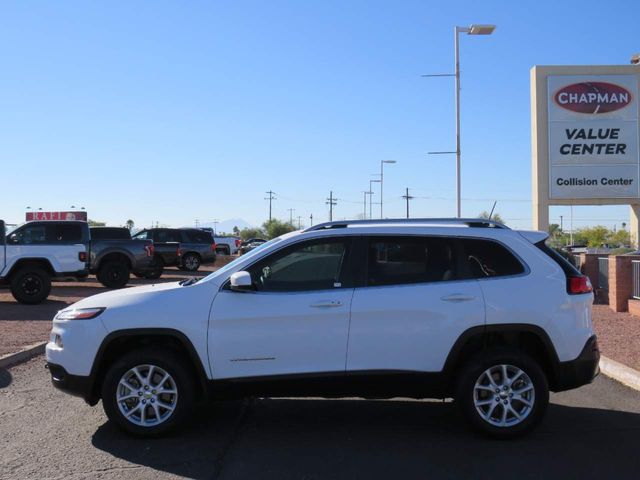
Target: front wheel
{"x": 148, "y": 392}
{"x": 502, "y": 393}
{"x": 191, "y": 262}
{"x": 30, "y": 285}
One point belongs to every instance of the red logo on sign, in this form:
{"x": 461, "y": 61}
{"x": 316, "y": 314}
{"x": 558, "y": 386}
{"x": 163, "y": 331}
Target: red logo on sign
{"x": 593, "y": 97}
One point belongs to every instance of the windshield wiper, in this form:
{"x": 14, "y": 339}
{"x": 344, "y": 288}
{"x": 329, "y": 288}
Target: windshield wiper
{"x": 188, "y": 281}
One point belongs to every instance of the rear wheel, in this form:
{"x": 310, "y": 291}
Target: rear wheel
{"x": 157, "y": 268}
{"x": 31, "y": 285}
{"x": 503, "y": 393}
{"x": 191, "y": 262}
{"x": 148, "y": 392}
{"x": 114, "y": 274}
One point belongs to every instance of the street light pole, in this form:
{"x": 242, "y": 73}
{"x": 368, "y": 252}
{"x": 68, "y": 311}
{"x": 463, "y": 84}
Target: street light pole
{"x": 471, "y": 30}
{"x": 382, "y": 162}
{"x": 371, "y": 196}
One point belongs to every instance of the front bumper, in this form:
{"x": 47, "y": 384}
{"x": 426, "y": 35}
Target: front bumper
{"x": 580, "y": 371}
{"x": 76, "y": 385}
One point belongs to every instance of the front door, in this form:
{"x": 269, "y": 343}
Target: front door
{"x": 296, "y": 320}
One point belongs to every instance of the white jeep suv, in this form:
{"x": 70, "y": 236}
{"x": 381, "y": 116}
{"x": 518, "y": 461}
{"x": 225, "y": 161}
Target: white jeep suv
{"x": 439, "y": 308}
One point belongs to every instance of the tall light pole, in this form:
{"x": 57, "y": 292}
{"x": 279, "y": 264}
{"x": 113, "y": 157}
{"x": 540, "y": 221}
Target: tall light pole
{"x": 371, "y": 196}
{"x": 471, "y": 30}
{"x": 382, "y": 162}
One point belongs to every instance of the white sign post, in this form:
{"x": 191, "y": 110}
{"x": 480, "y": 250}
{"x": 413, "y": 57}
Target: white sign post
{"x": 585, "y": 138}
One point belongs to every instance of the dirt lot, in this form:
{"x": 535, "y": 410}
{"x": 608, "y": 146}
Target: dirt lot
{"x": 22, "y": 325}
{"x": 618, "y": 335}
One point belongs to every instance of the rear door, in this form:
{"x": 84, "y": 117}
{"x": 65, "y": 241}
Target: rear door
{"x": 414, "y": 304}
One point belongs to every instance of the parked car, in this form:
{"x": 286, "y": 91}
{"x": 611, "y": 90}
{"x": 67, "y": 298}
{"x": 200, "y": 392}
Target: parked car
{"x": 113, "y": 255}
{"x": 250, "y": 244}
{"x": 414, "y": 308}
{"x": 34, "y": 254}
{"x": 186, "y": 248}
{"x": 227, "y": 245}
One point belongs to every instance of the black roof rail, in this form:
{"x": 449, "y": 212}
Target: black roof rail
{"x": 469, "y": 222}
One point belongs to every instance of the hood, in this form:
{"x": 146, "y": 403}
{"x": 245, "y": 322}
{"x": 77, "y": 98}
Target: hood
{"x": 126, "y": 296}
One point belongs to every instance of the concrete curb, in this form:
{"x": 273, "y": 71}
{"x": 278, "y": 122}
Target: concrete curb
{"x": 620, "y": 372}
{"x": 23, "y": 355}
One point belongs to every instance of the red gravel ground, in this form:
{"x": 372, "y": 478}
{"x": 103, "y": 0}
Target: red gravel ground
{"x": 23, "y": 325}
{"x": 618, "y": 335}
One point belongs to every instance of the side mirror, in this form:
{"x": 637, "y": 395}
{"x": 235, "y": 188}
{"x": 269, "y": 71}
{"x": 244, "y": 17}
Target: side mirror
{"x": 241, "y": 282}
{"x": 13, "y": 238}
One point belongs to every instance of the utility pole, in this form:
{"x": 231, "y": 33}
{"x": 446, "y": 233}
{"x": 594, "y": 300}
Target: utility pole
{"x": 197, "y": 223}
{"x": 331, "y": 201}
{"x": 311, "y": 220}
{"x": 407, "y": 197}
{"x": 291, "y": 210}
{"x": 271, "y": 198}
{"x": 299, "y": 217}
{"x": 364, "y": 211}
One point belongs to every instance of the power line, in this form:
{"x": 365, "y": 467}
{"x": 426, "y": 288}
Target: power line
{"x": 407, "y": 197}
{"x": 271, "y": 199}
{"x": 331, "y": 201}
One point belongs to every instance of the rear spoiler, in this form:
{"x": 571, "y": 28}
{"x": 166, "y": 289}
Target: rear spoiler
{"x": 534, "y": 236}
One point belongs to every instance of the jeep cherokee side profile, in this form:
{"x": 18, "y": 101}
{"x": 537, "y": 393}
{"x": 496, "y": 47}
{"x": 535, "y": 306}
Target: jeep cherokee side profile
{"x": 462, "y": 308}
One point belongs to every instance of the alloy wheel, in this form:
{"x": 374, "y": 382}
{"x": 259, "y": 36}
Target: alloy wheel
{"x": 504, "y": 395}
{"x": 147, "y": 395}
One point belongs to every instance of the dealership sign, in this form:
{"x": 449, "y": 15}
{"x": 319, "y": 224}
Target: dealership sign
{"x": 39, "y": 215}
{"x": 593, "y": 136}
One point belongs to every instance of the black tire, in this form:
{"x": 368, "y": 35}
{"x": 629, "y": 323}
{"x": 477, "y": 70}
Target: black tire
{"x": 157, "y": 268}
{"x": 138, "y": 274}
{"x": 31, "y": 285}
{"x": 114, "y": 274}
{"x": 472, "y": 371}
{"x": 184, "y": 385}
{"x": 223, "y": 250}
{"x": 191, "y": 262}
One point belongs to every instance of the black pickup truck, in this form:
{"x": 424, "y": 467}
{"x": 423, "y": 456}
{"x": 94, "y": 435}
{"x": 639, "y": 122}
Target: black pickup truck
{"x": 114, "y": 255}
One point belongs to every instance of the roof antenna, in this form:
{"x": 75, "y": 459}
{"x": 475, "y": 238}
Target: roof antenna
{"x": 492, "y": 208}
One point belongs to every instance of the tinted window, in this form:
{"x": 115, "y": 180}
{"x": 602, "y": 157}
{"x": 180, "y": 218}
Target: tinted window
{"x": 196, "y": 236}
{"x": 402, "y": 260}
{"x": 64, "y": 232}
{"x": 110, "y": 234}
{"x": 167, "y": 235}
{"x": 486, "y": 258}
{"x": 313, "y": 265}
{"x": 29, "y": 234}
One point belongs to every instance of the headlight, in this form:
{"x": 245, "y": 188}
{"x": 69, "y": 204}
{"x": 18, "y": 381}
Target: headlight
{"x": 79, "y": 313}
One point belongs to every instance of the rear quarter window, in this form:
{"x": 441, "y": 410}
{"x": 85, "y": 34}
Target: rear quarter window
{"x": 489, "y": 259}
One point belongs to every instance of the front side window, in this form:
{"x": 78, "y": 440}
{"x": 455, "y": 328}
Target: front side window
{"x": 315, "y": 265}
{"x": 486, "y": 258}
{"x": 407, "y": 260}
{"x": 29, "y": 235}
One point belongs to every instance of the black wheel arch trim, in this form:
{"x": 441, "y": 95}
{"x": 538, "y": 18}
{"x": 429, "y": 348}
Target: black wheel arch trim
{"x": 92, "y": 396}
{"x": 21, "y": 262}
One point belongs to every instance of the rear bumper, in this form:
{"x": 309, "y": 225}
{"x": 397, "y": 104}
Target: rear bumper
{"x": 580, "y": 371}
{"x": 76, "y": 385}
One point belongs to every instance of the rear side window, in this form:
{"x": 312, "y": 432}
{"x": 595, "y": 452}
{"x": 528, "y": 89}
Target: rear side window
{"x": 144, "y": 235}
{"x": 406, "y": 260}
{"x": 486, "y": 258}
{"x": 567, "y": 267}
{"x": 110, "y": 234}
{"x": 63, "y": 233}
{"x": 166, "y": 235}
{"x": 196, "y": 236}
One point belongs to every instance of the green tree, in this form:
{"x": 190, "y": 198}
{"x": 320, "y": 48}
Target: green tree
{"x": 247, "y": 233}
{"x": 236, "y": 231}
{"x": 275, "y": 228}
{"x": 95, "y": 223}
{"x": 130, "y": 224}
{"x": 591, "y": 236}
{"x": 495, "y": 217}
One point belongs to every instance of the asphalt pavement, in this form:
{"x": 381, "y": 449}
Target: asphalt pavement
{"x": 592, "y": 432}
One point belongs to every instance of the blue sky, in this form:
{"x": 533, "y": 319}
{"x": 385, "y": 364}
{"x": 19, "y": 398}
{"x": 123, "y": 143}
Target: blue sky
{"x": 172, "y": 111}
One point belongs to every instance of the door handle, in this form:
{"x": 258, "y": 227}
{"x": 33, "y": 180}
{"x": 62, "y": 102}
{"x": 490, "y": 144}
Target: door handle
{"x": 457, "y": 298}
{"x": 327, "y": 303}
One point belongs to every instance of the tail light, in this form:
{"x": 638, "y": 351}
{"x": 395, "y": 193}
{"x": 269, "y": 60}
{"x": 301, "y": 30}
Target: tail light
{"x": 213, "y": 247}
{"x": 150, "y": 249}
{"x": 179, "y": 251}
{"x": 238, "y": 242}
{"x": 578, "y": 285}
{"x": 82, "y": 256}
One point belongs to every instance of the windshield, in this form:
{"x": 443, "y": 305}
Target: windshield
{"x": 246, "y": 256}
